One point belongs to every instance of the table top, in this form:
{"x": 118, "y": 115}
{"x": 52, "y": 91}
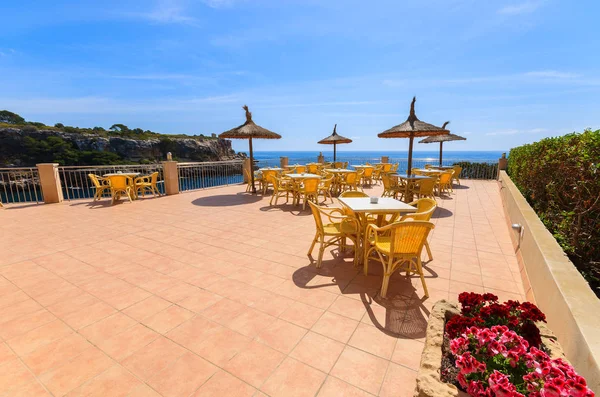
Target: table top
{"x": 338, "y": 170}
{"x": 294, "y": 166}
{"x": 444, "y": 167}
{"x": 411, "y": 177}
{"x": 362, "y": 166}
{"x": 129, "y": 174}
{"x": 385, "y": 205}
{"x": 428, "y": 171}
{"x": 271, "y": 169}
{"x": 303, "y": 176}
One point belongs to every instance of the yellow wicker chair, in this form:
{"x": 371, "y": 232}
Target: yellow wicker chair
{"x": 424, "y": 188}
{"x": 367, "y": 177}
{"x": 300, "y": 169}
{"x": 334, "y": 231}
{"x": 100, "y": 184}
{"x": 456, "y": 176}
{"x": 428, "y": 166}
{"x": 444, "y": 182}
{"x": 147, "y": 183}
{"x": 312, "y": 168}
{"x": 338, "y": 164}
{"x": 391, "y": 187}
{"x": 120, "y": 184}
{"x": 351, "y": 181}
{"x": 425, "y": 209}
{"x": 351, "y": 193}
{"x": 387, "y": 167}
{"x": 325, "y": 187}
{"x": 267, "y": 179}
{"x": 309, "y": 190}
{"x": 282, "y": 187}
{"x": 397, "y": 246}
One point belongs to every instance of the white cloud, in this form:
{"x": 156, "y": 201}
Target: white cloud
{"x": 526, "y": 7}
{"x": 168, "y": 11}
{"x": 514, "y": 132}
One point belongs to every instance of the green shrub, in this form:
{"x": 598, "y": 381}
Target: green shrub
{"x": 560, "y": 178}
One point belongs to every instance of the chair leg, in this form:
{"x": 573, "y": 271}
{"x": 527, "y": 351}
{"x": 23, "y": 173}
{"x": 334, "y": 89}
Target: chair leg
{"x": 321, "y": 251}
{"x": 420, "y": 270}
{"x": 428, "y": 250}
{"x": 386, "y": 277}
{"x": 312, "y": 246}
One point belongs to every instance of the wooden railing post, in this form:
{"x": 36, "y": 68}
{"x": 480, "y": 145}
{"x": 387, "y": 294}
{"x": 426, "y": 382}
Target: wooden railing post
{"x": 385, "y": 159}
{"x": 283, "y": 161}
{"x": 321, "y": 158}
{"x": 50, "y": 182}
{"x": 171, "y": 176}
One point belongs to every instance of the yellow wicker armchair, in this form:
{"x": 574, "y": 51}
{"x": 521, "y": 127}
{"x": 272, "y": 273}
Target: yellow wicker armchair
{"x": 333, "y": 228}
{"x": 351, "y": 181}
{"x": 397, "y": 246}
{"x": 267, "y": 179}
{"x": 309, "y": 190}
{"x": 425, "y": 209}
{"x": 100, "y": 184}
{"x": 312, "y": 168}
{"x": 354, "y": 193}
{"x": 456, "y": 176}
{"x": 444, "y": 182}
{"x": 391, "y": 187}
{"x": 367, "y": 177}
{"x": 282, "y": 187}
{"x": 300, "y": 169}
{"x": 424, "y": 188}
{"x": 120, "y": 184}
{"x": 338, "y": 164}
{"x": 147, "y": 183}
{"x": 325, "y": 187}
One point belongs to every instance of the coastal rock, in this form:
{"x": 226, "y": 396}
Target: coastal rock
{"x": 12, "y": 143}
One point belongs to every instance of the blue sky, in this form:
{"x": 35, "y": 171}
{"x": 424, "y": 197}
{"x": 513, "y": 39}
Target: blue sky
{"x": 503, "y": 72}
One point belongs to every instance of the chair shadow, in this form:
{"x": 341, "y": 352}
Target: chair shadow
{"x": 227, "y": 200}
{"x": 292, "y": 209}
{"x": 460, "y": 187}
{"x": 441, "y": 212}
{"x": 18, "y": 206}
{"x": 405, "y": 311}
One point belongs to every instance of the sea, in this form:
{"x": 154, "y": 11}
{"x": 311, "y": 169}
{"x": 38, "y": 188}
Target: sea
{"x": 271, "y": 158}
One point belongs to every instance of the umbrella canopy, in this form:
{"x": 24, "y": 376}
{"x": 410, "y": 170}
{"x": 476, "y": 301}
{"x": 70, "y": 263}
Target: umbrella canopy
{"x": 334, "y": 139}
{"x": 411, "y": 128}
{"x": 250, "y": 130}
{"x": 442, "y": 138}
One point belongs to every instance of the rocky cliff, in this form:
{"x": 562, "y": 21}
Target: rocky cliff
{"x": 18, "y": 146}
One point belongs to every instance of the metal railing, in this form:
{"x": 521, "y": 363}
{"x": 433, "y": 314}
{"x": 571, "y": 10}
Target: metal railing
{"x": 194, "y": 176}
{"x": 20, "y": 185}
{"x": 76, "y": 183}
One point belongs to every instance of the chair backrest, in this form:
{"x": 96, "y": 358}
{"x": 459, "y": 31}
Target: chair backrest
{"x": 446, "y": 177}
{"x": 387, "y": 181}
{"x": 352, "y": 193}
{"x": 311, "y": 185}
{"x": 395, "y": 167}
{"x": 345, "y": 164}
{"x": 154, "y": 178}
{"x": 426, "y": 186}
{"x": 351, "y": 177}
{"x": 300, "y": 169}
{"x": 387, "y": 167}
{"x": 338, "y": 164}
{"x": 417, "y": 172}
{"x": 118, "y": 181}
{"x": 428, "y": 166}
{"x": 457, "y": 170}
{"x": 268, "y": 175}
{"x": 95, "y": 180}
{"x": 368, "y": 172}
{"x": 408, "y": 237}
{"x": 326, "y": 181}
{"x": 313, "y": 168}
{"x": 425, "y": 209}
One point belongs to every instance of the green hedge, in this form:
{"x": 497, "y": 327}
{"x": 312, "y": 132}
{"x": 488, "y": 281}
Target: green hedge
{"x": 560, "y": 177}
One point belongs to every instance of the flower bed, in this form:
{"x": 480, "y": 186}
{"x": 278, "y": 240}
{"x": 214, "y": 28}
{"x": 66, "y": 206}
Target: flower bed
{"x": 494, "y": 349}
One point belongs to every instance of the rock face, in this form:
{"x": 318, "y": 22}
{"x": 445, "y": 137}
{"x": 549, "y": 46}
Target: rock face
{"x": 130, "y": 149}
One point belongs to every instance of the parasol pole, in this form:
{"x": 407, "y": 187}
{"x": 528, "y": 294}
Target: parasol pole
{"x": 441, "y": 143}
{"x": 334, "y": 145}
{"x": 410, "y": 149}
{"x": 252, "y": 165}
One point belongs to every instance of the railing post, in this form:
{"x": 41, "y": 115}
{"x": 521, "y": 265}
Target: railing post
{"x": 385, "y": 159}
{"x": 283, "y": 161}
{"x": 50, "y": 182}
{"x": 171, "y": 176}
{"x": 321, "y": 158}
{"x": 502, "y": 163}
{"x": 247, "y": 169}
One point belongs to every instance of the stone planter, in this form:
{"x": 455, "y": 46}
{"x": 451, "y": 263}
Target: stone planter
{"x": 429, "y": 383}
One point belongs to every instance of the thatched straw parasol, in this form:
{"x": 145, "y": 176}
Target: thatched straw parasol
{"x": 442, "y": 138}
{"x": 334, "y": 139}
{"x": 411, "y": 128}
{"x": 249, "y": 130}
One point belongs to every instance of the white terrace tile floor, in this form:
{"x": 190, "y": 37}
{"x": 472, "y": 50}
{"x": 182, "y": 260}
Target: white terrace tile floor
{"x": 211, "y": 293}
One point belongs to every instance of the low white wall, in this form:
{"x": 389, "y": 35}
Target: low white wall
{"x": 571, "y": 308}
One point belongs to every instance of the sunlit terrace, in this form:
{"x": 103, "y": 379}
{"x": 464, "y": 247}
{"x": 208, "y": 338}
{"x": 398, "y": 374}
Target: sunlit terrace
{"x": 211, "y": 293}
